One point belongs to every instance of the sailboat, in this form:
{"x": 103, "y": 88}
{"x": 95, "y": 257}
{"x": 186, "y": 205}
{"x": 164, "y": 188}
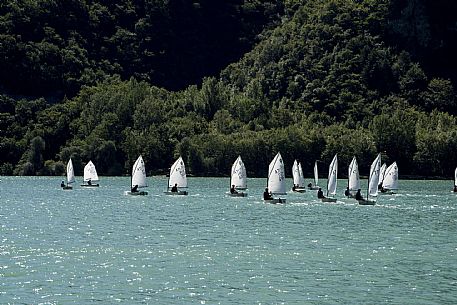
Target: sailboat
{"x": 316, "y": 178}
{"x": 382, "y": 173}
{"x": 90, "y": 175}
{"x": 373, "y": 181}
{"x": 353, "y": 177}
{"x": 276, "y": 183}
{"x": 138, "y": 179}
{"x": 70, "y": 176}
{"x": 177, "y": 179}
{"x": 238, "y": 179}
{"x": 331, "y": 181}
{"x": 299, "y": 180}
{"x": 390, "y": 182}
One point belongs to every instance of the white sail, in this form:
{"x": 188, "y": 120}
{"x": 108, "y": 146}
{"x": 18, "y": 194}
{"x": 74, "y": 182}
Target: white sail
{"x": 455, "y": 177}
{"x": 276, "y": 176}
{"x": 316, "y": 174}
{"x": 70, "y": 172}
{"x": 296, "y": 173}
{"x": 382, "y": 173}
{"x": 139, "y": 173}
{"x": 178, "y": 174}
{"x": 353, "y": 174}
{"x": 90, "y": 173}
{"x": 390, "y": 181}
{"x": 332, "y": 176}
{"x": 302, "y": 177}
{"x": 373, "y": 180}
{"x": 238, "y": 177}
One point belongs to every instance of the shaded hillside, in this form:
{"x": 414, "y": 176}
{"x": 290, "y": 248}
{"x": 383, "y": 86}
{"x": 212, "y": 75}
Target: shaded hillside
{"x": 329, "y": 79}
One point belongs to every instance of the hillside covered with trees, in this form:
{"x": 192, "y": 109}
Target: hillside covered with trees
{"x": 109, "y": 80}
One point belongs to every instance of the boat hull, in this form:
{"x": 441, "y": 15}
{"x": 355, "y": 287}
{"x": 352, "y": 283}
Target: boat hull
{"x": 275, "y": 201}
{"x": 239, "y": 194}
{"x": 299, "y": 190}
{"x": 66, "y": 188}
{"x": 366, "y": 202}
{"x": 140, "y": 193}
{"x": 313, "y": 188}
{"x": 178, "y": 193}
{"x": 326, "y": 199}
{"x": 91, "y": 185}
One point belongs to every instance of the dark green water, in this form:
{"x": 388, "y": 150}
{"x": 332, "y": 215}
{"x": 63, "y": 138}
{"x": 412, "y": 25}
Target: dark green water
{"x": 99, "y": 246}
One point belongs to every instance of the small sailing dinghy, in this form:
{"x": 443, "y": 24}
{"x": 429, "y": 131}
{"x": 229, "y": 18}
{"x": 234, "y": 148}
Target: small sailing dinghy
{"x": 353, "y": 178}
{"x": 238, "y": 179}
{"x": 373, "y": 181}
{"x": 70, "y": 176}
{"x": 299, "y": 180}
{"x": 138, "y": 179}
{"x": 332, "y": 180}
{"x": 177, "y": 179}
{"x": 276, "y": 183}
{"x": 90, "y": 175}
{"x": 316, "y": 179}
{"x": 390, "y": 182}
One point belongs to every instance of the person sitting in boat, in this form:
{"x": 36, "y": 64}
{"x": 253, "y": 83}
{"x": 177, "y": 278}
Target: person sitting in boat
{"x": 294, "y": 188}
{"x": 62, "y": 184}
{"x": 135, "y": 188}
{"x": 233, "y": 190}
{"x": 358, "y": 196}
{"x": 174, "y": 188}
{"x": 383, "y": 190}
{"x": 89, "y": 182}
{"x": 346, "y": 192}
{"x": 310, "y": 185}
{"x": 267, "y": 195}
{"x": 320, "y": 194}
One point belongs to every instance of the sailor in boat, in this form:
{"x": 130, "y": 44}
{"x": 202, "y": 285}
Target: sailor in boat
{"x": 347, "y": 193}
{"x": 233, "y": 190}
{"x": 310, "y": 185}
{"x": 293, "y": 188}
{"x": 358, "y": 196}
{"x": 135, "y": 188}
{"x": 383, "y": 190}
{"x": 174, "y": 188}
{"x": 320, "y": 194}
{"x": 62, "y": 184}
{"x": 267, "y": 195}
{"x": 89, "y": 182}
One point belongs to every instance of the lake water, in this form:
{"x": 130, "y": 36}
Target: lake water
{"x": 100, "y": 246}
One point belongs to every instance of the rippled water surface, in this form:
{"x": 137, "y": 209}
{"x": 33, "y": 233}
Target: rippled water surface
{"x": 101, "y": 246}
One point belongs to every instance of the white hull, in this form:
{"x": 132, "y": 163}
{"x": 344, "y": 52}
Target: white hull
{"x": 139, "y": 193}
{"x": 387, "y": 192}
{"x": 178, "y": 193}
{"x": 239, "y": 194}
{"x": 299, "y": 190}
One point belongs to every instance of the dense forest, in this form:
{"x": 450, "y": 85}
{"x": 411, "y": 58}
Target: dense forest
{"x": 210, "y": 80}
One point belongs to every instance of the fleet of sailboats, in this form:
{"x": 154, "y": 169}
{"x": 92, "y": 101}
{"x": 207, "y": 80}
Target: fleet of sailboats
{"x": 177, "y": 179}
{"x": 381, "y": 179}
